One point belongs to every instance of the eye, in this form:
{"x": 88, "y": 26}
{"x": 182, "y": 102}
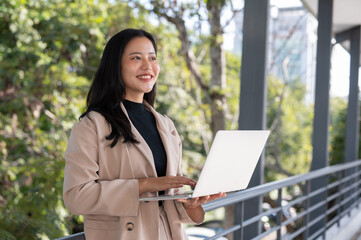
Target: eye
{"x": 153, "y": 58}
{"x": 136, "y": 58}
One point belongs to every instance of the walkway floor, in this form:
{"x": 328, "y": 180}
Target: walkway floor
{"x": 350, "y": 227}
{"x": 357, "y": 235}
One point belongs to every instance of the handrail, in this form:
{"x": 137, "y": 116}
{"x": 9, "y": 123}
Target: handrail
{"x": 267, "y": 187}
{"x": 76, "y": 236}
{"x": 241, "y": 196}
{"x": 347, "y": 196}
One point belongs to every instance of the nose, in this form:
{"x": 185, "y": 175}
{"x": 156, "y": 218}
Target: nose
{"x": 146, "y": 65}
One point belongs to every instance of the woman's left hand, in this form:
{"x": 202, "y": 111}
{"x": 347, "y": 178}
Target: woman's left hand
{"x": 197, "y": 201}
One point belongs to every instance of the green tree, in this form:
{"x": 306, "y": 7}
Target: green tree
{"x": 338, "y": 117}
{"x": 289, "y": 148}
{"x": 49, "y": 53}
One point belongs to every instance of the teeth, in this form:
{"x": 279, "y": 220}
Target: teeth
{"x": 145, "y": 77}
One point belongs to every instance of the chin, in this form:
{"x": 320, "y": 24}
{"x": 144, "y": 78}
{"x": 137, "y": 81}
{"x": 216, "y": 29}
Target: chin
{"x": 148, "y": 89}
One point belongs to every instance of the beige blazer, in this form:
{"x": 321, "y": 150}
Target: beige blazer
{"x": 101, "y": 182}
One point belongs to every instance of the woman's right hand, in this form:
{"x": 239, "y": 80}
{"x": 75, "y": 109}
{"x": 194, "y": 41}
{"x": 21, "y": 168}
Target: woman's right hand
{"x": 163, "y": 183}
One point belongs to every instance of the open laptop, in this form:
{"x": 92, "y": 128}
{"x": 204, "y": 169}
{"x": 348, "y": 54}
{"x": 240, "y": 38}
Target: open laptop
{"x": 229, "y": 165}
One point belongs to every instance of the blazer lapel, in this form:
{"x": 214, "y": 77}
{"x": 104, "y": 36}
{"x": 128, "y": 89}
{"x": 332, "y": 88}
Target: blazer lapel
{"x": 142, "y": 145}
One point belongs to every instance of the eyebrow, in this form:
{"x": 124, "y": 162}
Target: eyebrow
{"x": 140, "y": 53}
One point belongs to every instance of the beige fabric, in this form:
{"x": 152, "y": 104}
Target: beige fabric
{"x": 164, "y": 231}
{"x": 101, "y": 182}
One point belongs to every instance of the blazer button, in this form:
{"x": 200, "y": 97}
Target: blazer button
{"x": 129, "y": 226}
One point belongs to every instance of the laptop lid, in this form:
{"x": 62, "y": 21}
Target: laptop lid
{"x": 231, "y": 161}
{"x": 229, "y": 165}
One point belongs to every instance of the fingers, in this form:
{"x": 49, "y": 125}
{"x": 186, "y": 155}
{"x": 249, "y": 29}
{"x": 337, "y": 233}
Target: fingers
{"x": 163, "y": 183}
{"x": 203, "y": 199}
{"x": 195, "y": 202}
{"x": 179, "y": 180}
{"x": 189, "y": 203}
{"x": 185, "y": 181}
{"x": 215, "y": 196}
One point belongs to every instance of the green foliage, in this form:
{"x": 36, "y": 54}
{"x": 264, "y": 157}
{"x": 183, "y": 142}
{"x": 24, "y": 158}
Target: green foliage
{"x": 179, "y": 97}
{"x": 289, "y": 147}
{"x": 49, "y": 51}
{"x": 233, "y": 73}
{"x": 337, "y": 130}
{"x": 48, "y": 58}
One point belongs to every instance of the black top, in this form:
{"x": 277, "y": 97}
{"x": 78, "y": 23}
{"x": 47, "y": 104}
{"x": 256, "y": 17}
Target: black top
{"x": 145, "y": 123}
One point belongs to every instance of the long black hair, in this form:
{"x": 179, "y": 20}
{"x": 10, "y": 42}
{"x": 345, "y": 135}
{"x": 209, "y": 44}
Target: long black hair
{"x": 107, "y": 89}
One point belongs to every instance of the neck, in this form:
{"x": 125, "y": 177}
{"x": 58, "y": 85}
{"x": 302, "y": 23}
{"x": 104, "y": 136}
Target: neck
{"x": 137, "y": 99}
{"x": 132, "y": 102}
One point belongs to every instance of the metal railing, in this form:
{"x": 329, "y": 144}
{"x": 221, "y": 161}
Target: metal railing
{"x": 343, "y": 193}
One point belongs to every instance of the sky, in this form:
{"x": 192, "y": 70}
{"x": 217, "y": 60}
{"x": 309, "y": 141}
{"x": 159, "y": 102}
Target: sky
{"x": 340, "y": 71}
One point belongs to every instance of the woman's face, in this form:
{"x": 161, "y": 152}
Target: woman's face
{"x": 139, "y": 68}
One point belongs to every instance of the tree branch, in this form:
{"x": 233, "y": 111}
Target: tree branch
{"x": 183, "y": 37}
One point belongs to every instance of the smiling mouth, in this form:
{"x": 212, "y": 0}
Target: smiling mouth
{"x": 145, "y": 77}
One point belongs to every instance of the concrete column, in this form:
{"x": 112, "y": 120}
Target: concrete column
{"x": 353, "y": 110}
{"x": 320, "y": 137}
{"x": 253, "y": 95}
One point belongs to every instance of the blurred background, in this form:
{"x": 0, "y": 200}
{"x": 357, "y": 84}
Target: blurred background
{"x": 50, "y": 50}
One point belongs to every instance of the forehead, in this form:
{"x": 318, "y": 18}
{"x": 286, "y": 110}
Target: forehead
{"x": 139, "y": 44}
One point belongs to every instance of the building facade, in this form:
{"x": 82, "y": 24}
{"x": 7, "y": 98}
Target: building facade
{"x": 292, "y": 43}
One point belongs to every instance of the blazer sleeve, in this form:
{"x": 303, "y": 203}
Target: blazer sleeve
{"x": 83, "y": 191}
{"x": 182, "y": 213}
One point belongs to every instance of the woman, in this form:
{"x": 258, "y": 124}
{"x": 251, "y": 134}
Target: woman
{"x": 122, "y": 149}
